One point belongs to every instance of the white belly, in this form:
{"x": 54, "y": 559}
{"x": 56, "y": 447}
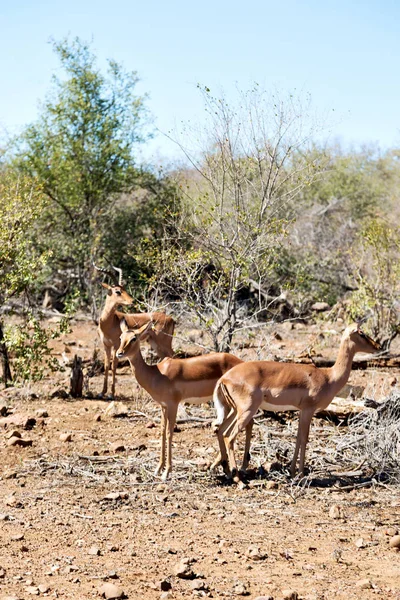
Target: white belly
{"x": 277, "y": 407}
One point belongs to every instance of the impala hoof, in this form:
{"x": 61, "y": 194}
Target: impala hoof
{"x": 165, "y": 476}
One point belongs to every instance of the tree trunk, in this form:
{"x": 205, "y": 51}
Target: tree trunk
{"x": 5, "y": 363}
{"x": 76, "y": 382}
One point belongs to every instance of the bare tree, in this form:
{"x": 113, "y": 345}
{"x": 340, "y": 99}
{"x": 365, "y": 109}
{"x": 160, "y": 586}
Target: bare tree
{"x": 246, "y": 167}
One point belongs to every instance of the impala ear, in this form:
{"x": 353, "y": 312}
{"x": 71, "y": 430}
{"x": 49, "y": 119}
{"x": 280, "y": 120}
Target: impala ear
{"x": 105, "y": 285}
{"x": 124, "y": 325}
{"x": 145, "y": 330}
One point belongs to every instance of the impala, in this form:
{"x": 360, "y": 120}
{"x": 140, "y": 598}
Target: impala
{"x": 172, "y": 381}
{"x": 279, "y": 387}
{"x": 160, "y": 336}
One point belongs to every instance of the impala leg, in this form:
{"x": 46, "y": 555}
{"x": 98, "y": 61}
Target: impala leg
{"x": 114, "y": 362}
{"x": 244, "y": 420}
{"x": 222, "y": 458}
{"x": 107, "y": 358}
{"x": 246, "y": 455}
{"x": 171, "y": 420}
{"x": 301, "y": 441}
{"x": 161, "y": 463}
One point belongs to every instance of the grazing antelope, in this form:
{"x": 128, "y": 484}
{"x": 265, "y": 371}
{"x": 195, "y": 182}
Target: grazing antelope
{"x": 172, "y": 381}
{"x": 279, "y": 387}
{"x": 160, "y": 336}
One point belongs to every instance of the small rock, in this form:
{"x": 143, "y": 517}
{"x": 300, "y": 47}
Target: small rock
{"x": 2, "y": 573}
{"x": 18, "y": 441}
{"x": 43, "y": 588}
{"x": 150, "y": 425}
{"x": 264, "y": 598}
{"x": 110, "y": 591}
{"x": 13, "y": 433}
{"x": 97, "y": 417}
{"x": 364, "y": 584}
{"x": 240, "y": 589}
{"x": 65, "y": 437}
{"x": 112, "y": 496}
{"x": 166, "y": 596}
{"x": 117, "y": 447}
{"x": 32, "y": 589}
{"x": 42, "y": 413}
{"x": 360, "y": 543}
{"x": 242, "y": 485}
{"x": 335, "y": 512}
{"x": 198, "y": 584}
{"x": 94, "y": 551}
{"x": 116, "y": 409}
{"x": 17, "y": 538}
{"x": 165, "y": 585}
{"x": 391, "y": 531}
{"x": 289, "y": 595}
{"x": 3, "y": 409}
{"x": 320, "y": 306}
{"x": 393, "y": 381}
{"x": 60, "y": 393}
{"x": 253, "y": 553}
{"x": 394, "y": 542}
{"x": 184, "y": 571}
{"x": 10, "y": 598}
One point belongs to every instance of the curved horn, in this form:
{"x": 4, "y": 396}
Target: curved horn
{"x": 111, "y": 275}
{"x": 120, "y": 274}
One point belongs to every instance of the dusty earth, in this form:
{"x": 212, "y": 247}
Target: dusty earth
{"x": 77, "y": 514}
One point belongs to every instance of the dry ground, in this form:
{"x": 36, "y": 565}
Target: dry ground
{"x": 76, "y": 514}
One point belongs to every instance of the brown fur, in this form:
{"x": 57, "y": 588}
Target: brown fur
{"x": 283, "y": 386}
{"x": 172, "y": 381}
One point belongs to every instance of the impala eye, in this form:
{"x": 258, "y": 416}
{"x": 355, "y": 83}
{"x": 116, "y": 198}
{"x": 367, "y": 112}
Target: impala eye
{"x": 118, "y": 292}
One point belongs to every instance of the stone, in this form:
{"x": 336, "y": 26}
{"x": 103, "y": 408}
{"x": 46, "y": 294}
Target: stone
{"x": 18, "y": 441}
{"x": 94, "y": 551}
{"x": 13, "y": 433}
{"x": 289, "y": 595}
{"x": 394, "y": 542}
{"x": 183, "y": 570}
{"x": 116, "y": 409}
{"x": 240, "y": 589}
{"x": 65, "y": 437}
{"x": 320, "y": 306}
{"x": 43, "y": 588}
{"x": 18, "y": 420}
{"x": 117, "y": 447}
{"x": 165, "y": 585}
{"x": 335, "y": 512}
{"x": 254, "y": 553}
{"x": 33, "y": 590}
{"x": 110, "y": 591}
{"x": 41, "y": 413}
{"x": 364, "y": 584}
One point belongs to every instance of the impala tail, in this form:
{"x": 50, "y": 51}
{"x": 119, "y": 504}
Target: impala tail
{"x": 223, "y": 404}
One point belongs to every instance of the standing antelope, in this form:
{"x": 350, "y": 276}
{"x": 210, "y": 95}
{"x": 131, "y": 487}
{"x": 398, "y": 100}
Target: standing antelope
{"x": 279, "y": 387}
{"x": 160, "y": 337}
{"x": 172, "y": 381}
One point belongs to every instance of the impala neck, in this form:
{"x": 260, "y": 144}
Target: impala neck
{"x": 145, "y": 374}
{"x": 109, "y": 310}
{"x": 340, "y": 371}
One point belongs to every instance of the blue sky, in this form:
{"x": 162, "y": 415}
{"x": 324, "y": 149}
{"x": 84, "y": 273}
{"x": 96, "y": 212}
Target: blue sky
{"x": 346, "y": 54}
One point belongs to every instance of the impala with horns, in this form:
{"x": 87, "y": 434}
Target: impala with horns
{"x": 160, "y": 336}
{"x": 276, "y": 386}
{"x": 172, "y": 381}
